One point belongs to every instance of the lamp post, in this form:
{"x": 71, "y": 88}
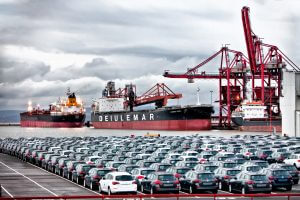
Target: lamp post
{"x": 198, "y": 96}
{"x": 211, "y": 92}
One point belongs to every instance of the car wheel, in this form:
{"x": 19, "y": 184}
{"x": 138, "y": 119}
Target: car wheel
{"x": 151, "y": 190}
{"x": 84, "y": 184}
{"x": 288, "y": 188}
{"x": 230, "y": 188}
{"x": 296, "y": 182}
{"x": 191, "y": 190}
{"x": 142, "y": 189}
{"x": 109, "y": 191}
{"x": 77, "y": 180}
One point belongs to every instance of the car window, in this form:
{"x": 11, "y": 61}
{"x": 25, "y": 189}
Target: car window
{"x": 280, "y": 173}
{"x": 289, "y": 167}
{"x": 124, "y": 178}
{"x": 229, "y": 165}
{"x": 182, "y": 171}
{"x": 233, "y": 172}
{"x": 206, "y": 176}
{"x": 166, "y": 177}
{"x": 258, "y": 177}
{"x": 146, "y": 172}
{"x": 253, "y": 168}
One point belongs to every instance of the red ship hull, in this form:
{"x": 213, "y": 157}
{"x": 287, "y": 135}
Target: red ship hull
{"x": 176, "y": 125}
{"x": 45, "y": 124}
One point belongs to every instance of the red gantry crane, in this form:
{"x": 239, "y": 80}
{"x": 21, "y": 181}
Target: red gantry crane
{"x": 263, "y": 69}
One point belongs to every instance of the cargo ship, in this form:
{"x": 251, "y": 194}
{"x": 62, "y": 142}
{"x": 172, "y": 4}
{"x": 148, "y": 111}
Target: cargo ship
{"x": 254, "y": 116}
{"x": 65, "y": 113}
{"x": 115, "y": 110}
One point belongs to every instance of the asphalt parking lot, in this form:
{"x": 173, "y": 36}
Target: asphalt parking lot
{"x": 20, "y": 179}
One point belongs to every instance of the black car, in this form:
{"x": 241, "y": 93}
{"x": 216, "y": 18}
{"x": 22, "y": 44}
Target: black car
{"x": 247, "y": 182}
{"x": 196, "y": 181}
{"x": 160, "y": 182}
{"x": 224, "y": 175}
{"x": 93, "y": 177}
{"x": 140, "y": 175}
{"x": 291, "y": 168}
{"x": 81, "y": 170}
{"x": 279, "y": 178}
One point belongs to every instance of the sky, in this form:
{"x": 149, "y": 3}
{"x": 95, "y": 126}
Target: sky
{"x": 47, "y": 46}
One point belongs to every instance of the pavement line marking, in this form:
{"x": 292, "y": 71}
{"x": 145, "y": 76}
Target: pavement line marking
{"x": 29, "y": 179}
{"x": 65, "y": 179}
{"x": 7, "y": 192}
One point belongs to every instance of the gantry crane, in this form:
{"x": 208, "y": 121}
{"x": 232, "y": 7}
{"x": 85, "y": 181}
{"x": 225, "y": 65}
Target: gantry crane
{"x": 263, "y": 69}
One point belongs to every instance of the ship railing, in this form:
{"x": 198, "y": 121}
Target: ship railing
{"x": 279, "y": 196}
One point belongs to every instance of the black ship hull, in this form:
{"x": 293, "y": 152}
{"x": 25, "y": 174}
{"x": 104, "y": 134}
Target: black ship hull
{"x": 47, "y": 120}
{"x": 168, "y": 118}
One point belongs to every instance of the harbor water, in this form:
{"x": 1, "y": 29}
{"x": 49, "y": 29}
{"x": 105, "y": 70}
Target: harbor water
{"x": 17, "y": 132}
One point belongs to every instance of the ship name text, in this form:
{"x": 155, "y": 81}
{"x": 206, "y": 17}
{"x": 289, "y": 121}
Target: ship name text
{"x": 128, "y": 117}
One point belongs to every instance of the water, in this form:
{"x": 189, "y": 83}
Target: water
{"x": 17, "y": 131}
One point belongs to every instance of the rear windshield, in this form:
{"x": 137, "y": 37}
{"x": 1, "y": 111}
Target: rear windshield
{"x": 102, "y": 172}
{"x": 175, "y": 156}
{"x": 262, "y": 164}
{"x": 147, "y": 164}
{"x": 211, "y": 168}
{"x": 206, "y": 176}
{"x": 268, "y": 152}
{"x": 182, "y": 171}
{"x": 258, "y": 178}
{"x": 166, "y": 178}
{"x": 229, "y": 165}
{"x": 146, "y": 172}
{"x": 86, "y": 168}
{"x": 116, "y": 165}
{"x": 163, "y": 167}
{"x": 233, "y": 172}
{"x": 124, "y": 178}
{"x": 253, "y": 168}
{"x": 190, "y": 165}
{"x": 191, "y": 159}
{"x": 280, "y": 172}
{"x": 290, "y": 168}
{"x": 129, "y": 169}
{"x": 240, "y": 161}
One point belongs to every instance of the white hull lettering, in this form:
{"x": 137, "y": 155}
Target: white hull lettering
{"x": 144, "y": 117}
{"x": 100, "y": 118}
{"x": 128, "y": 118}
{"x": 151, "y": 116}
{"x": 135, "y": 117}
{"x": 106, "y": 118}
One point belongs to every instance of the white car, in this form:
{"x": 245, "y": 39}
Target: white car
{"x": 118, "y": 182}
{"x": 293, "y": 160}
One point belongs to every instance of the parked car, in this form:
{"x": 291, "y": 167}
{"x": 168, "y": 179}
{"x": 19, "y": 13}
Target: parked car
{"x": 93, "y": 177}
{"x": 291, "y": 169}
{"x": 279, "y": 178}
{"x": 140, "y": 174}
{"x": 253, "y": 182}
{"x": 196, "y": 181}
{"x": 160, "y": 182}
{"x": 224, "y": 175}
{"x": 118, "y": 182}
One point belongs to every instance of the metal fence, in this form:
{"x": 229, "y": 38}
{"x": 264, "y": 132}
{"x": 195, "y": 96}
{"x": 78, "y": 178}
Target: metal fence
{"x": 287, "y": 196}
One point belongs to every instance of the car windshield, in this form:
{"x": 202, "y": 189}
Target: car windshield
{"x": 280, "y": 172}
{"x": 166, "y": 178}
{"x": 129, "y": 169}
{"x": 182, "y": 171}
{"x": 206, "y": 176}
{"x": 253, "y": 168}
{"x": 190, "y": 165}
{"x": 175, "y": 156}
{"x": 268, "y": 152}
{"x": 146, "y": 172}
{"x": 289, "y": 167}
{"x": 233, "y": 172}
{"x": 116, "y": 165}
{"x": 124, "y": 178}
{"x": 262, "y": 164}
{"x": 102, "y": 172}
{"x": 86, "y": 168}
{"x": 147, "y": 164}
{"x": 229, "y": 165}
{"x": 258, "y": 177}
{"x": 163, "y": 167}
{"x": 93, "y": 159}
{"x": 210, "y": 168}
{"x": 240, "y": 161}
{"x": 191, "y": 159}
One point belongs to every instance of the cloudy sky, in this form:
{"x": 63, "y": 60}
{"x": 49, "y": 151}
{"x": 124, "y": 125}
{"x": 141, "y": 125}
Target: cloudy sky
{"x": 49, "y": 45}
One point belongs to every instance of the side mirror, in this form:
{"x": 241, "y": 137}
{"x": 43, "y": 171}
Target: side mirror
{"x": 103, "y": 178}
